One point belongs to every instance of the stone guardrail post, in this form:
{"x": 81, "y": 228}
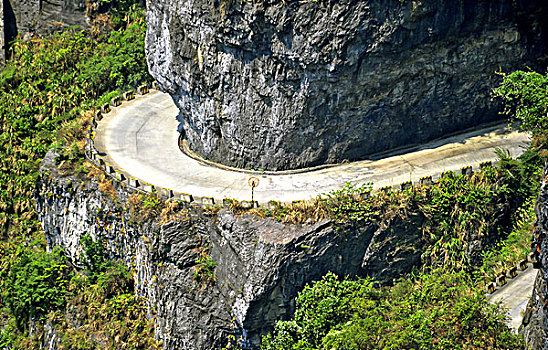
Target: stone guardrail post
{"x": 406, "y": 185}
{"x": 447, "y": 174}
{"x": 105, "y": 108}
{"x": 115, "y": 101}
{"x": 426, "y": 180}
{"x": 509, "y": 273}
{"x": 129, "y": 95}
{"x": 512, "y": 272}
{"x": 501, "y": 279}
{"x": 490, "y": 287}
{"x": 466, "y": 170}
{"x": 385, "y": 189}
{"x": 142, "y": 89}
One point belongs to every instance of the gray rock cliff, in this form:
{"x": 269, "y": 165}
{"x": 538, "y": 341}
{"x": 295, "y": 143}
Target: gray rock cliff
{"x": 290, "y": 84}
{"x": 43, "y": 17}
{"x": 261, "y": 264}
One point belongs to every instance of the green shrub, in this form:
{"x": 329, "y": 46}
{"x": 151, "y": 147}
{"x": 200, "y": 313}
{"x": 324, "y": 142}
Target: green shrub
{"x": 204, "y": 270}
{"x": 35, "y": 285}
{"x": 45, "y": 90}
{"x": 438, "y": 310}
{"x": 511, "y": 250}
{"x": 525, "y": 97}
{"x": 95, "y": 258}
{"x": 346, "y": 204}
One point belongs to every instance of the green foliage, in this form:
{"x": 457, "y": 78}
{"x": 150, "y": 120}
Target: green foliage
{"x": 107, "y": 97}
{"x": 454, "y": 212}
{"x": 95, "y": 259}
{"x": 457, "y": 211}
{"x": 345, "y": 204}
{"x": 45, "y": 90}
{"x": 204, "y": 270}
{"x": 152, "y": 202}
{"x": 511, "y": 250}
{"x": 435, "y": 311}
{"x": 35, "y": 285}
{"x": 6, "y": 341}
{"x": 525, "y": 97}
{"x": 522, "y": 174}
{"x": 146, "y": 206}
{"x": 114, "y": 317}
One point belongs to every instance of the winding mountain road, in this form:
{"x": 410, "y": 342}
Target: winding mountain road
{"x": 140, "y": 138}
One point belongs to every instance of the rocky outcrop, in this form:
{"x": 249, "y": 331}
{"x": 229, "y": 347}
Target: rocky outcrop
{"x": 535, "y": 321}
{"x": 261, "y": 263}
{"x": 36, "y": 17}
{"x": 30, "y": 17}
{"x": 289, "y": 84}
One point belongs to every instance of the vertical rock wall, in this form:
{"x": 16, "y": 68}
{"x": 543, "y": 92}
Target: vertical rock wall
{"x": 9, "y": 28}
{"x": 2, "y": 35}
{"x": 289, "y": 84}
{"x": 31, "y": 17}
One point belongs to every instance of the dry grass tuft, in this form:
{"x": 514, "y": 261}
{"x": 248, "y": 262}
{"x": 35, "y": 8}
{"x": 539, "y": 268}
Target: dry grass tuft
{"x": 104, "y": 183}
{"x": 173, "y": 211}
{"x": 300, "y": 212}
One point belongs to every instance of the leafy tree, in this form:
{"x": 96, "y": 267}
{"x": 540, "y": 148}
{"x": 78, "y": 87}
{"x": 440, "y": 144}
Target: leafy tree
{"x": 525, "y": 97}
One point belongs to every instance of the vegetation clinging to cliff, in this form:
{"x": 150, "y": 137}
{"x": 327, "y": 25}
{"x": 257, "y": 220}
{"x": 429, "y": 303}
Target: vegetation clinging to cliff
{"x": 440, "y": 308}
{"x": 355, "y": 315}
{"x": 435, "y": 311}
{"x": 48, "y": 84}
{"x": 525, "y": 96}
{"x": 47, "y": 91}
{"x": 456, "y": 211}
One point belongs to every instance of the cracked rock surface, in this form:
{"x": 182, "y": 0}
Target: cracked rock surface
{"x": 261, "y": 264}
{"x": 290, "y": 84}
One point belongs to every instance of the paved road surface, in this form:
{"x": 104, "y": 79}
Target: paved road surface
{"x": 140, "y": 138}
{"x": 515, "y": 296}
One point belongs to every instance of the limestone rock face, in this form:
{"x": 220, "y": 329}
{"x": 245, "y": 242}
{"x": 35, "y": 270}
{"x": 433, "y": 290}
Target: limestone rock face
{"x": 43, "y": 17}
{"x": 290, "y": 84}
{"x": 261, "y": 264}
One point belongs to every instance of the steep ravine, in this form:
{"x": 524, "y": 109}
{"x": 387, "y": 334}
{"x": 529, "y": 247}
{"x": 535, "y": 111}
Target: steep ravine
{"x": 289, "y": 84}
{"x": 261, "y": 263}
